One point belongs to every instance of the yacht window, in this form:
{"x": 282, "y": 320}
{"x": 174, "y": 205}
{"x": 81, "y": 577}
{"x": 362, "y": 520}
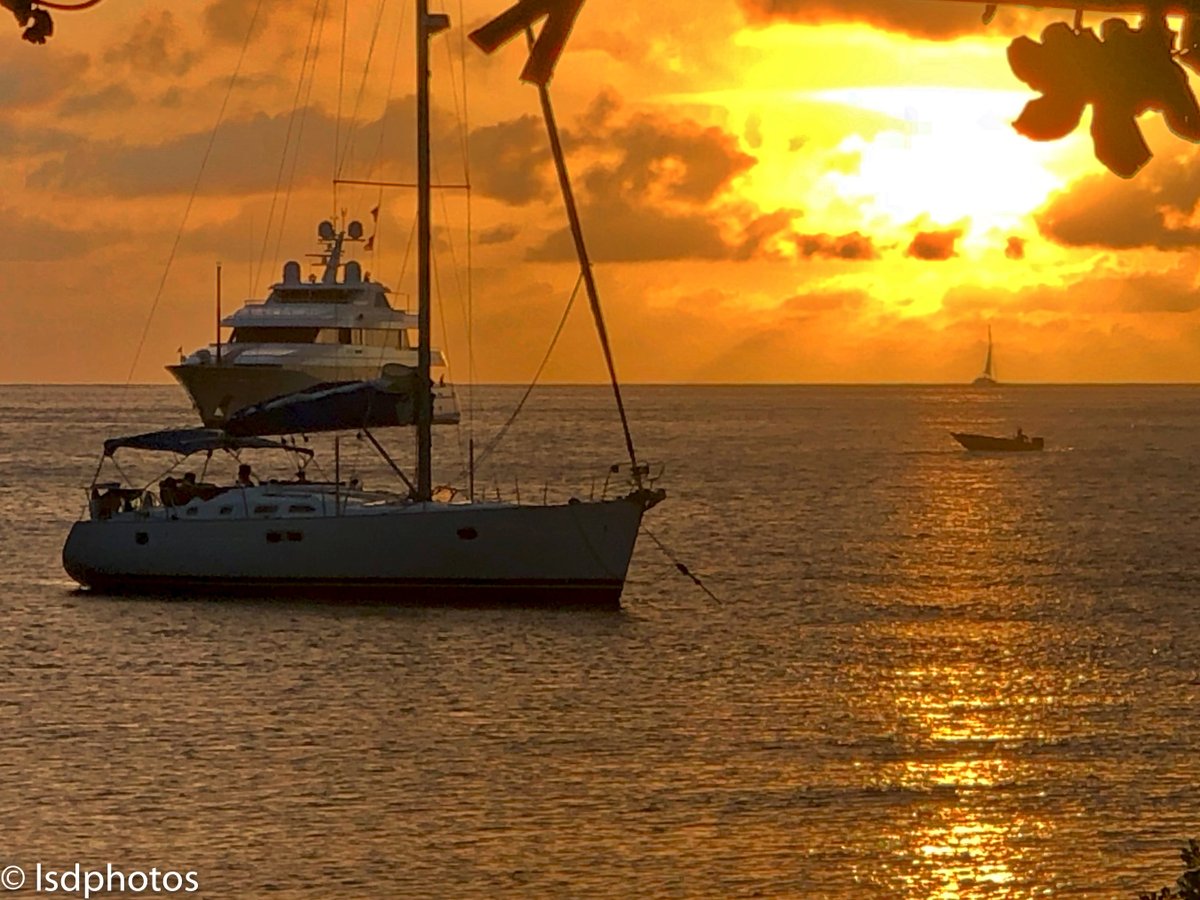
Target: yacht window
{"x": 274, "y": 537}
{"x": 264, "y": 510}
{"x": 263, "y": 335}
{"x": 344, "y": 336}
{"x": 315, "y": 294}
{"x": 295, "y": 535}
{"x": 226, "y": 510}
{"x": 301, "y": 508}
{"x": 193, "y": 510}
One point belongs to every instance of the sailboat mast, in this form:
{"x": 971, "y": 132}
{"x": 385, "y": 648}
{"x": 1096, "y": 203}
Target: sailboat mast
{"x": 427, "y": 25}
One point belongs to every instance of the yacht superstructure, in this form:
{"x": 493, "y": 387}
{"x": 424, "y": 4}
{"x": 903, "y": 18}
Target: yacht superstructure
{"x": 309, "y": 332}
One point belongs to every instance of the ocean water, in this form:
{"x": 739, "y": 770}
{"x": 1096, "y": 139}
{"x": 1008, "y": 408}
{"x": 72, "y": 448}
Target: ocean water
{"x": 928, "y": 673}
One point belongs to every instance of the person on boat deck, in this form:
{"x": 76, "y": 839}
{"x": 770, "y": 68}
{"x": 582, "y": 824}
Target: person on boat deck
{"x": 1021, "y": 436}
{"x": 185, "y": 490}
{"x": 245, "y": 477}
{"x": 168, "y": 491}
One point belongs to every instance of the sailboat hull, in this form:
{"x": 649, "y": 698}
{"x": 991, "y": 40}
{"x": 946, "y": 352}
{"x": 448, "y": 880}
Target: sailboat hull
{"x": 570, "y": 554}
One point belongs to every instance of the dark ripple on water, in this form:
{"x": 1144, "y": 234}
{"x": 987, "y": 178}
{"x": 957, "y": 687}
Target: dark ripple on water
{"x": 932, "y": 675}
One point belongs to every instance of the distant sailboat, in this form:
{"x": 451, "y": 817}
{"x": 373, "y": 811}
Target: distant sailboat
{"x": 987, "y": 379}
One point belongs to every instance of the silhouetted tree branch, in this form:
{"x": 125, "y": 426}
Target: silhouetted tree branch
{"x": 1187, "y": 885}
{"x": 33, "y": 17}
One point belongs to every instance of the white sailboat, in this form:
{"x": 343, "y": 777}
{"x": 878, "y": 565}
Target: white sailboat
{"x": 986, "y": 379}
{"x": 301, "y": 537}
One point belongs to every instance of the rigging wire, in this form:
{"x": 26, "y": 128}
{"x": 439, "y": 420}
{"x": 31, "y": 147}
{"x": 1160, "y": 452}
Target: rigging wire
{"x": 309, "y": 48}
{"x": 495, "y": 442}
{"x": 466, "y": 296}
{"x": 312, "y": 77}
{"x": 195, "y": 189}
{"x": 437, "y": 283}
{"x": 466, "y": 140}
{"x": 377, "y": 154}
{"x": 344, "y": 154}
{"x": 337, "y": 128}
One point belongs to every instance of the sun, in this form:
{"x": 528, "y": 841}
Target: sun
{"x": 950, "y": 157}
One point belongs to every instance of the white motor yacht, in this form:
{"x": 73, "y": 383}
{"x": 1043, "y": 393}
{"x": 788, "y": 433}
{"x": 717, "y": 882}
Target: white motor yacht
{"x": 307, "y": 333}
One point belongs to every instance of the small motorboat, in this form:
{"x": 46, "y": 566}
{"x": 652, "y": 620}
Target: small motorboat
{"x": 1020, "y": 442}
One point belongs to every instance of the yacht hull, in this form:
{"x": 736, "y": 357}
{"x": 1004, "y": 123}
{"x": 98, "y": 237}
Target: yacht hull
{"x": 570, "y": 554}
{"x": 217, "y": 391}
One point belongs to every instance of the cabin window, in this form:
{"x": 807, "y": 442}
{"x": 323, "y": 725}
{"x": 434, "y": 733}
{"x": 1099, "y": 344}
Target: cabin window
{"x": 468, "y": 533}
{"x": 315, "y": 294}
{"x": 257, "y": 334}
{"x": 192, "y": 510}
{"x": 226, "y": 510}
{"x": 301, "y": 508}
{"x": 265, "y": 510}
{"x": 274, "y": 537}
{"x": 344, "y": 336}
{"x": 295, "y": 535}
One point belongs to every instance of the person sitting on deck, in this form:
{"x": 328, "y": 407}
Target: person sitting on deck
{"x": 168, "y": 491}
{"x": 185, "y": 490}
{"x": 1021, "y": 436}
{"x": 245, "y": 477}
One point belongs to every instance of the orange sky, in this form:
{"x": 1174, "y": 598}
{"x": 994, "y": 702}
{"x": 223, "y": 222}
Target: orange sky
{"x": 829, "y": 193}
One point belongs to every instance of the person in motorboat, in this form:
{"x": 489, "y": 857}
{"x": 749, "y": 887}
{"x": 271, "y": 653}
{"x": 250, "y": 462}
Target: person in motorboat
{"x": 1022, "y": 436}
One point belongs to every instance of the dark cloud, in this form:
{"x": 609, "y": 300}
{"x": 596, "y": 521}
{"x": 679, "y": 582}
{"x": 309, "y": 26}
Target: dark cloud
{"x": 509, "y": 161}
{"x": 226, "y": 21}
{"x": 819, "y": 302}
{"x": 1154, "y": 210}
{"x": 30, "y": 239}
{"x": 113, "y": 98}
{"x": 677, "y": 159}
{"x": 933, "y": 19}
{"x": 37, "y": 79}
{"x": 501, "y": 234}
{"x": 653, "y": 191}
{"x": 1106, "y": 292}
{"x": 154, "y": 46}
{"x": 1015, "y": 248}
{"x": 934, "y": 245}
{"x": 245, "y": 157}
{"x": 619, "y": 230}
{"x": 853, "y": 245}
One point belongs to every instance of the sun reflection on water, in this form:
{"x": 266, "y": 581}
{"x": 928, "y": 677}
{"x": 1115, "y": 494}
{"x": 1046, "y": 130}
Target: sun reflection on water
{"x": 970, "y": 684}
